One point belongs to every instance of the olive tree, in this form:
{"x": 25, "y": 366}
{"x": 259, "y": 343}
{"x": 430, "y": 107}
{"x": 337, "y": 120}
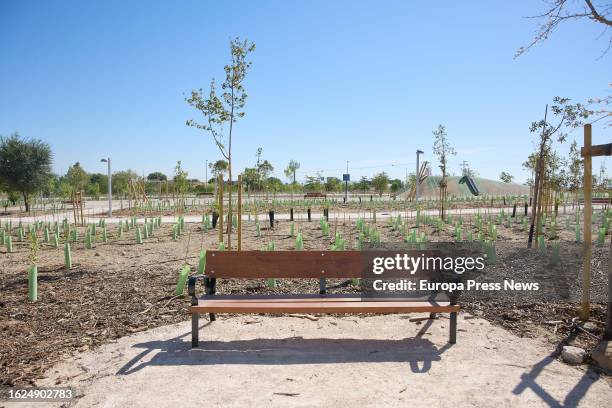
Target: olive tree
{"x": 25, "y": 165}
{"x": 220, "y": 112}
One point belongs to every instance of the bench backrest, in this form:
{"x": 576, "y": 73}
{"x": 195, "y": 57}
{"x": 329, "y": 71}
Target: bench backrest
{"x": 284, "y": 264}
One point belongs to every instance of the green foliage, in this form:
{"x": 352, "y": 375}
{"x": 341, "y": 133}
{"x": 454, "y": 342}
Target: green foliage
{"x": 25, "y": 165}
{"x": 380, "y": 182}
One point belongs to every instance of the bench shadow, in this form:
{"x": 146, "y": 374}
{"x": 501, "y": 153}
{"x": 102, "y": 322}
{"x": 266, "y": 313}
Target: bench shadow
{"x": 417, "y": 352}
{"x": 573, "y": 397}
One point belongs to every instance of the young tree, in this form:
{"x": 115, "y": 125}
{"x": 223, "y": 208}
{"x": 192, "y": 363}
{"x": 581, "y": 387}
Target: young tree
{"x": 506, "y": 177}
{"x": 25, "y": 165}
{"x": 380, "y": 182}
{"x": 218, "y": 167}
{"x": 560, "y": 11}
{"x": 363, "y": 184}
{"x": 221, "y": 112}
{"x": 443, "y": 150}
{"x": 264, "y": 169}
{"x": 180, "y": 179}
{"x": 575, "y": 166}
{"x": 77, "y": 177}
{"x": 292, "y": 167}
{"x": 565, "y": 116}
{"x": 333, "y": 184}
{"x": 396, "y": 185}
{"x": 157, "y": 176}
{"x": 313, "y": 183}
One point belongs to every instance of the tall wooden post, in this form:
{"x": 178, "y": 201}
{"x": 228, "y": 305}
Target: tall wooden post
{"x": 239, "y": 215}
{"x": 586, "y": 267}
{"x": 220, "y": 196}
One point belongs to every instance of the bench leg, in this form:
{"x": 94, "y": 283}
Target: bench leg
{"x": 432, "y": 315}
{"x": 213, "y": 317}
{"x": 195, "y": 329}
{"x": 453, "y": 328}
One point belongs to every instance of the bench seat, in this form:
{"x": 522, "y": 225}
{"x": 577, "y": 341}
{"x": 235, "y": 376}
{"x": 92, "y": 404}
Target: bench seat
{"x": 316, "y": 304}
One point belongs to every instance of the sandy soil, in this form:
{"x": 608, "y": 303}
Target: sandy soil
{"x": 119, "y": 288}
{"x": 349, "y": 361}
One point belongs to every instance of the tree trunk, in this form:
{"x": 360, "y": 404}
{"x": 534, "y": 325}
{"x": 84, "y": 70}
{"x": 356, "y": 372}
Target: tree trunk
{"x": 26, "y": 201}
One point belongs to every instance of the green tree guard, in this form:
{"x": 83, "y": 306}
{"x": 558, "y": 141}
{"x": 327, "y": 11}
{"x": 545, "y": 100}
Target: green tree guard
{"x": 138, "y": 236}
{"x": 182, "y": 280}
{"x": 88, "y": 240}
{"x": 9, "y": 244}
{"x": 202, "y": 262}
{"x": 33, "y": 283}
{"x": 67, "y": 256}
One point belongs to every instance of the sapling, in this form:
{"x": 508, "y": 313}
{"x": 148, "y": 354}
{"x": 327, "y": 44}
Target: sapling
{"x": 555, "y": 252}
{"x": 138, "y": 236}
{"x": 9, "y": 243}
{"x": 104, "y": 235}
{"x": 542, "y": 245}
{"x": 55, "y": 240}
{"x": 88, "y": 240}
{"x": 299, "y": 242}
{"x": 601, "y": 237}
{"x": 46, "y": 235}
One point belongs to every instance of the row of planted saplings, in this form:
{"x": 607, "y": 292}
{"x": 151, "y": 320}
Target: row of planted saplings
{"x": 51, "y": 233}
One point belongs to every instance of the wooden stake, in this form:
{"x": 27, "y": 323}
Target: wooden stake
{"x": 220, "y": 196}
{"x": 586, "y": 267}
{"x": 239, "y": 215}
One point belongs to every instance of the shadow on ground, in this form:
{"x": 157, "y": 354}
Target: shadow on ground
{"x": 419, "y": 353}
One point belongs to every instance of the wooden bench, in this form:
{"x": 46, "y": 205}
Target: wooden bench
{"x": 315, "y": 195}
{"x": 291, "y": 265}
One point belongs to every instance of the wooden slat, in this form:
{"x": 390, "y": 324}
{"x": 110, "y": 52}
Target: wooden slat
{"x": 597, "y": 150}
{"x": 283, "y": 264}
{"x": 291, "y": 298}
{"x": 322, "y": 307}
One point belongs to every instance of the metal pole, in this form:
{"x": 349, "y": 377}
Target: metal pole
{"x": 110, "y": 190}
{"x": 346, "y": 185}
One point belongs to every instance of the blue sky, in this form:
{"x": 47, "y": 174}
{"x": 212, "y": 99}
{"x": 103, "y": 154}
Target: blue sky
{"x": 331, "y": 81}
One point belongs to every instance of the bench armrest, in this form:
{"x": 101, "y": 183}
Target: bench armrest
{"x": 191, "y": 288}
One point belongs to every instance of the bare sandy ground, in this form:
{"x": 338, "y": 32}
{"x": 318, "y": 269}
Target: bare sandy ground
{"x": 358, "y": 361}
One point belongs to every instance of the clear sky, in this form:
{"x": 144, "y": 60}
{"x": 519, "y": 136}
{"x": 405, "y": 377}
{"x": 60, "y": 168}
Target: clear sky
{"x": 331, "y": 81}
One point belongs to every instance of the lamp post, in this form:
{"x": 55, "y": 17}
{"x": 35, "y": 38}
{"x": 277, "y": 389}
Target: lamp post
{"x": 110, "y": 186}
{"x": 416, "y": 178}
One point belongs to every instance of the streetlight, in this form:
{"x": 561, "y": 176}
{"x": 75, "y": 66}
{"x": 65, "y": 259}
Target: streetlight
{"x": 110, "y": 187}
{"x": 416, "y": 178}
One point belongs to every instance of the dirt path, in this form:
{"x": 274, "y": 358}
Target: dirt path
{"x": 349, "y": 361}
